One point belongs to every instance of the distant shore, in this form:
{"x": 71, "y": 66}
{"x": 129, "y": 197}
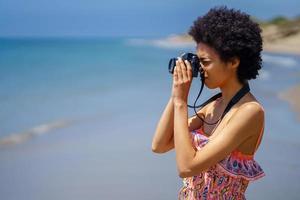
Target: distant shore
{"x": 287, "y": 45}
{"x": 280, "y": 35}
{"x": 283, "y": 38}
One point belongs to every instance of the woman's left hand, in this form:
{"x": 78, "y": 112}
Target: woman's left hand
{"x": 182, "y": 79}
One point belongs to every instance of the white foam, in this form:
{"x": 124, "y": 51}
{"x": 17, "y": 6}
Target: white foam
{"x": 281, "y": 61}
{"x": 17, "y": 138}
{"x": 168, "y": 44}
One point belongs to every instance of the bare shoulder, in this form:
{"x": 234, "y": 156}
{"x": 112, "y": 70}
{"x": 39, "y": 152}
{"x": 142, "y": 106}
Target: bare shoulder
{"x": 251, "y": 114}
{"x": 254, "y": 111}
{"x": 247, "y": 113}
{"x": 251, "y": 106}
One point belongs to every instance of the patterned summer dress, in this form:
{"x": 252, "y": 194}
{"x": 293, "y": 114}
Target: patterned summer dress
{"x": 228, "y": 179}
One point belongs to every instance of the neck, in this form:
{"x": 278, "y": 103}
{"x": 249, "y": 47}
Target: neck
{"x": 229, "y": 89}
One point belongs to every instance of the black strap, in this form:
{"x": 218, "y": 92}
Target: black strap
{"x": 242, "y": 92}
{"x": 209, "y": 100}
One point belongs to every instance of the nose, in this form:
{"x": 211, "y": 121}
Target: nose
{"x": 203, "y": 72}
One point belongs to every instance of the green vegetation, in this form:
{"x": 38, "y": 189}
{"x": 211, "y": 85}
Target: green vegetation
{"x": 275, "y": 29}
{"x": 279, "y": 21}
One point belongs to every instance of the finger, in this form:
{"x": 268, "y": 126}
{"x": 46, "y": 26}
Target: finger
{"x": 178, "y": 69}
{"x": 189, "y": 70}
{"x": 183, "y": 67}
{"x": 183, "y": 70}
{"x": 175, "y": 75}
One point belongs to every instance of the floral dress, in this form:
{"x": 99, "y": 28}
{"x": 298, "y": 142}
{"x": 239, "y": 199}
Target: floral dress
{"x": 228, "y": 179}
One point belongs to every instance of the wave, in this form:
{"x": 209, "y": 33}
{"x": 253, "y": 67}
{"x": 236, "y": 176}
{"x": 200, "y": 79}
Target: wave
{"x": 23, "y": 136}
{"x": 17, "y": 138}
{"x": 171, "y": 42}
{"x": 281, "y": 61}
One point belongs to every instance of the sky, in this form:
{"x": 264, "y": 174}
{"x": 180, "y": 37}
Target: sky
{"x": 114, "y": 18}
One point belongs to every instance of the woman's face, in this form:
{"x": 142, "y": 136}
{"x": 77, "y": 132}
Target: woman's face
{"x": 216, "y": 71}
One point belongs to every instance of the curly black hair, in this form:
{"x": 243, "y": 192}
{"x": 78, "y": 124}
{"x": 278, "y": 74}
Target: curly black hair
{"x": 231, "y": 33}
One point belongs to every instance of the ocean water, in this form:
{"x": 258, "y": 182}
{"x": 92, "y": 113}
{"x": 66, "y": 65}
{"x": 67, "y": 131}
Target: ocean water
{"x": 78, "y": 115}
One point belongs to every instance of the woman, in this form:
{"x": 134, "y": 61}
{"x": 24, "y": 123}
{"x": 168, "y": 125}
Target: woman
{"x": 216, "y": 160}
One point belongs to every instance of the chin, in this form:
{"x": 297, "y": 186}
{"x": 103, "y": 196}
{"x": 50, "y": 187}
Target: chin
{"x": 210, "y": 86}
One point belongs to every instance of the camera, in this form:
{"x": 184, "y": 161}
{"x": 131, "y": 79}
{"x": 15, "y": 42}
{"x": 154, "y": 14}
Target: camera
{"x": 192, "y": 58}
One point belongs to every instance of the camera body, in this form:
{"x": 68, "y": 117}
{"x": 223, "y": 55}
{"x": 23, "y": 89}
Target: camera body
{"x": 192, "y": 58}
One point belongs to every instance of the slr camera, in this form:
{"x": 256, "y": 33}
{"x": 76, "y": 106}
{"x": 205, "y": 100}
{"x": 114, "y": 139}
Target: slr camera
{"x": 192, "y": 58}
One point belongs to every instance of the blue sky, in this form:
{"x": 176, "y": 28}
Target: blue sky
{"x": 134, "y": 18}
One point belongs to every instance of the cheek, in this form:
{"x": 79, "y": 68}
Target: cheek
{"x": 216, "y": 77}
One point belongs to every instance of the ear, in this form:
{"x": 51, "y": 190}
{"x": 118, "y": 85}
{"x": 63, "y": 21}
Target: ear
{"x": 234, "y": 62}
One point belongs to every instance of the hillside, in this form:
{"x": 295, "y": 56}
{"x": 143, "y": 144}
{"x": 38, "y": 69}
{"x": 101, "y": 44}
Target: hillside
{"x": 280, "y": 35}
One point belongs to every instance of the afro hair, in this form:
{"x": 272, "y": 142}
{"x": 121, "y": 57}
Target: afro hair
{"x": 231, "y": 33}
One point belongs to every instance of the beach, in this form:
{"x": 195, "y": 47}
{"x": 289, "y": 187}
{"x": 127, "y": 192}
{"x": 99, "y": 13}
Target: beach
{"x": 77, "y": 121}
{"x": 282, "y": 38}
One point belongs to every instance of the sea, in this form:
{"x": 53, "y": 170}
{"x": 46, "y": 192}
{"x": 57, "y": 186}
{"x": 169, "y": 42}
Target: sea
{"x": 77, "y": 117}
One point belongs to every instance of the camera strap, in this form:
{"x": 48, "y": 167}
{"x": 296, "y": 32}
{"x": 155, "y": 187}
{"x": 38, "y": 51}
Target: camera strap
{"x": 242, "y": 92}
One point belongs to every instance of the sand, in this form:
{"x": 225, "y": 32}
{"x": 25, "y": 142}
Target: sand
{"x": 274, "y": 41}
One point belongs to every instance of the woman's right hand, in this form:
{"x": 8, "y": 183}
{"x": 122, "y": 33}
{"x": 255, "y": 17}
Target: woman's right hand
{"x": 182, "y": 80}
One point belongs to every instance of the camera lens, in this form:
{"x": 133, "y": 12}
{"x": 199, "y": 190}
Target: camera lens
{"x": 172, "y": 64}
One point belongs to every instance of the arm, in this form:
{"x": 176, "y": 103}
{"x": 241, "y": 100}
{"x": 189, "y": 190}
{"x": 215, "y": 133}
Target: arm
{"x": 163, "y": 137}
{"x": 246, "y": 122}
{"x": 163, "y": 140}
